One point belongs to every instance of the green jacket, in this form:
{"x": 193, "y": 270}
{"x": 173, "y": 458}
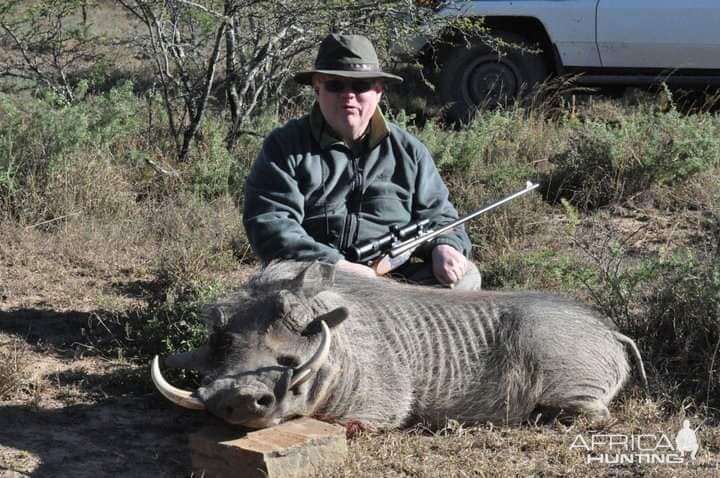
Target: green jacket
{"x": 308, "y": 196}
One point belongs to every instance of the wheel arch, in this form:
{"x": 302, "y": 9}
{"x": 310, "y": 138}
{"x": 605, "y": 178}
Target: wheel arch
{"x": 437, "y": 51}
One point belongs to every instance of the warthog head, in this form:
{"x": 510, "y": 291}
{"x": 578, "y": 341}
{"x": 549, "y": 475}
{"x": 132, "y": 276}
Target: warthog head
{"x": 266, "y": 354}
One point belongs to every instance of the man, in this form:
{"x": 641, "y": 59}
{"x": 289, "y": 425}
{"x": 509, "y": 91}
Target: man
{"x": 686, "y": 440}
{"x": 343, "y": 174}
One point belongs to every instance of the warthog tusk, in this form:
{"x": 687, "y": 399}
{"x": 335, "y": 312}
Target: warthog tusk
{"x": 179, "y": 397}
{"x": 302, "y": 373}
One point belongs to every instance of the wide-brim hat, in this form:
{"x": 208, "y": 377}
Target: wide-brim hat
{"x": 350, "y": 56}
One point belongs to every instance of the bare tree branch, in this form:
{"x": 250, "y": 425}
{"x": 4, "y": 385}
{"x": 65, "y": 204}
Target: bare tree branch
{"x": 209, "y": 81}
{"x": 248, "y": 50}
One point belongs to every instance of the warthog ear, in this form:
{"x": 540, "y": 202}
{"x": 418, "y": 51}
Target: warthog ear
{"x": 216, "y": 317}
{"x": 333, "y": 318}
{"x": 317, "y": 277}
{"x": 294, "y": 312}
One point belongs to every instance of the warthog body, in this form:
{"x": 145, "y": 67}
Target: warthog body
{"x": 400, "y": 354}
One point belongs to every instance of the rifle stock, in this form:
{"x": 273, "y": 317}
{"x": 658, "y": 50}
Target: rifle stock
{"x": 386, "y": 263}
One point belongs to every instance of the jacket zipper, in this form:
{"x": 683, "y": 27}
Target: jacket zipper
{"x": 352, "y": 216}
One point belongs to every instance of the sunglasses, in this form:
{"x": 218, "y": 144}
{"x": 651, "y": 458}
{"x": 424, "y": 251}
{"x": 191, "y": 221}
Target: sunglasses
{"x": 356, "y": 86}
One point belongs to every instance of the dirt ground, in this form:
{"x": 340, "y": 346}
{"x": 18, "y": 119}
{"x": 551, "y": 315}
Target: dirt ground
{"x": 71, "y": 411}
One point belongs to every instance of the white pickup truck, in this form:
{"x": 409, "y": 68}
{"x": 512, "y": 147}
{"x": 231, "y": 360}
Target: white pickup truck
{"x": 606, "y": 42}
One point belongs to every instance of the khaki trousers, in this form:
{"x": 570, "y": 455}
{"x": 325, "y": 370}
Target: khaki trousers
{"x": 421, "y": 273}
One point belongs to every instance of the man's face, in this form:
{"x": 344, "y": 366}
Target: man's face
{"x": 347, "y": 104}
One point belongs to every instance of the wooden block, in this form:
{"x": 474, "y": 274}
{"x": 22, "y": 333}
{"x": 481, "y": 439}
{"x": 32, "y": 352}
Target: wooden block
{"x": 289, "y": 450}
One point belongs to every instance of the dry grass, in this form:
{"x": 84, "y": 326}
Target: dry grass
{"x": 14, "y": 365}
{"x": 490, "y": 451}
{"x": 79, "y": 263}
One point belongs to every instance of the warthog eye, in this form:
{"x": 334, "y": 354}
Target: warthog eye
{"x": 288, "y": 361}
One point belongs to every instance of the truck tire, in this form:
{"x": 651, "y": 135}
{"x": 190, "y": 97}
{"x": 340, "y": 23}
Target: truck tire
{"x": 477, "y": 76}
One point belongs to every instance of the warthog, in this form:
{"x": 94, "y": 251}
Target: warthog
{"x": 300, "y": 340}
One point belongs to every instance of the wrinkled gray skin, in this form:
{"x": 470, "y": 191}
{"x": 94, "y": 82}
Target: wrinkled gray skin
{"x": 402, "y": 353}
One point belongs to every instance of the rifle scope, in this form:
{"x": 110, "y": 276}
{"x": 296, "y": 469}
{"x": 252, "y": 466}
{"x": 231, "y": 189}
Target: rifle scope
{"x": 372, "y": 248}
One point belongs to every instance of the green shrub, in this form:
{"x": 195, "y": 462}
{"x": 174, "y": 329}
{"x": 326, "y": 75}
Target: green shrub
{"x": 539, "y": 269}
{"x": 605, "y": 162}
{"x": 175, "y": 323}
{"x": 486, "y": 149}
{"x": 194, "y": 243}
{"x": 172, "y": 321}
{"x": 680, "y": 325}
{"x": 668, "y": 302}
{"x": 210, "y": 166}
{"x": 490, "y": 158}
{"x": 44, "y": 140}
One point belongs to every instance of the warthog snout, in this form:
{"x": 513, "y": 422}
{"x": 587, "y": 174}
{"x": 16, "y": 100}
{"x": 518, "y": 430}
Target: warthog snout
{"x": 256, "y": 403}
{"x": 241, "y": 402}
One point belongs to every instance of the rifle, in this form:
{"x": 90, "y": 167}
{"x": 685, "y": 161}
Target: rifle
{"x": 390, "y": 251}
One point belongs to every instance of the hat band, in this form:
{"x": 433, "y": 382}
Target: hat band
{"x": 349, "y": 67}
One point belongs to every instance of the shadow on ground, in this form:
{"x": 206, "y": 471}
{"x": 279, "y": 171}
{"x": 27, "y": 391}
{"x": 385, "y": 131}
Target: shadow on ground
{"x": 114, "y": 437}
{"x": 87, "y": 418}
{"x": 71, "y": 334}
{"x": 43, "y": 327}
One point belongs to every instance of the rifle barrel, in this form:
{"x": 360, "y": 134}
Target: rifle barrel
{"x": 413, "y": 243}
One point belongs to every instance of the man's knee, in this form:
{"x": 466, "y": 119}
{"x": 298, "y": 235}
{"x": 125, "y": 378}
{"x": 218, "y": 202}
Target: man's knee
{"x": 421, "y": 273}
{"x": 472, "y": 280}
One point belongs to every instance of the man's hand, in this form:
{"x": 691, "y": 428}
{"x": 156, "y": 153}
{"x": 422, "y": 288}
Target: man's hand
{"x": 449, "y": 265}
{"x": 359, "y": 269}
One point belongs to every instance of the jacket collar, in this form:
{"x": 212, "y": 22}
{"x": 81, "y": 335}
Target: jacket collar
{"x": 327, "y": 137}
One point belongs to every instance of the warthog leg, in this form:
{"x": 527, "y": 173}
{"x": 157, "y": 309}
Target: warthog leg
{"x": 593, "y": 409}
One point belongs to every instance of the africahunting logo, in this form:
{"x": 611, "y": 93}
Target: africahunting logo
{"x": 617, "y": 448}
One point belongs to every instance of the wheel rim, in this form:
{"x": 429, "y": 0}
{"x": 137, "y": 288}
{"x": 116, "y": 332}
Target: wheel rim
{"x": 490, "y": 81}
